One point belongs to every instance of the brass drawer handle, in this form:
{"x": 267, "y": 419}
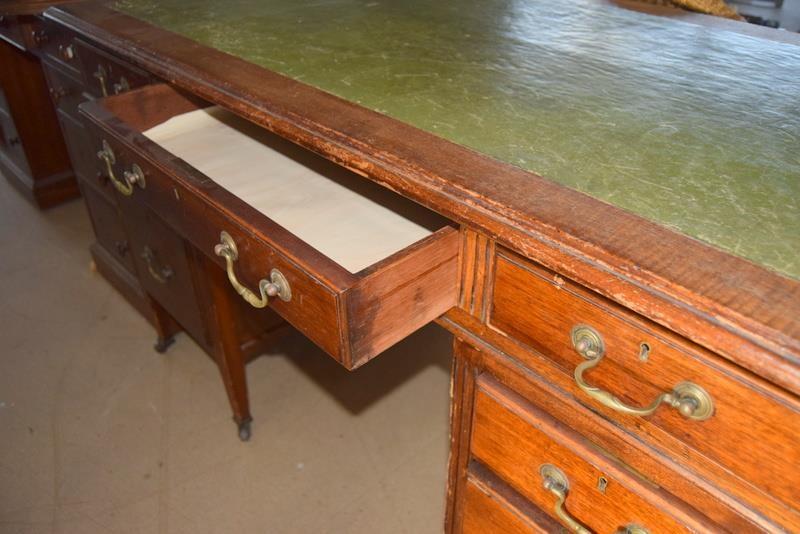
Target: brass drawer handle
{"x": 134, "y": 176}
{"x": 160, "y": 273}
{"x": 692, "y": 401}
{"x": 67, "y": 52}
{"x": 276, "y": 286}
{"x": 40, "y": 37}
{"x": 101, "y": 74}
{"x": 122, "y": 86}
{"x": 556, "y": 482}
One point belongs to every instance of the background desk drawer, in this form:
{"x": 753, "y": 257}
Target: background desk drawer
{"x": 751, "y": 430}
{"x": 105, "y": 74}
{"x": 351, "y": 315}
{"x": 56, "y": 44}
{"x": 540, "y": 459}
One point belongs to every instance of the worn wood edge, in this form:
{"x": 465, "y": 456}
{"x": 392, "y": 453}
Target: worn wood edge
{"x": 770, "y": 350}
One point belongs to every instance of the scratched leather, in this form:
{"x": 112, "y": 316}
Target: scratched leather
{"x": 695, "y": 129}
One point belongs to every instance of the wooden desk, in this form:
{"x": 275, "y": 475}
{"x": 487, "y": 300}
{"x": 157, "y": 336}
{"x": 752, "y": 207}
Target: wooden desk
{"x": 614, "y": 371}
{"x": 33, "y": 155}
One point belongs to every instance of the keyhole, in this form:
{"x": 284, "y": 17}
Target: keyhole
{"x": 644, "y": 351}
{"x": 602, "y": 484}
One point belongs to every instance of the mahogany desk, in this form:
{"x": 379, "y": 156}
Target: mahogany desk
{"x": 609, "y": 218}
{"x": 33, "y": 155}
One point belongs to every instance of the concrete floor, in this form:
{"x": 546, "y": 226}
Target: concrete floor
{"x": 98, "y": 433}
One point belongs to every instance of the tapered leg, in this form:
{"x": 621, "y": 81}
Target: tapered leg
{"x": 227, "y": 347}
{"x": 165, "y": 326}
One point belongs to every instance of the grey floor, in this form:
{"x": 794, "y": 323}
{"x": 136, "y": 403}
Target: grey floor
{"x": 98, "y": 433}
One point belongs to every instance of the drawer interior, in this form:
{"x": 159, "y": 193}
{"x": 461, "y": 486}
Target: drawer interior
{"x": 353, "y": 221}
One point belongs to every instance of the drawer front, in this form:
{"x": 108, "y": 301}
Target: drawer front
{"x": 57, "y": 44}
{"x": 108, "y": 228}
{"x": 546, "y": 464}
{"x": 50, "y": 42}
{"x": 104, "y": 74}
{"x": 66, "y": 90}
{"x": 162, "y": 262}
{"x": 353, "y": 317}
{"x": 485, "y": 511}
{"x": 751, "y": 430}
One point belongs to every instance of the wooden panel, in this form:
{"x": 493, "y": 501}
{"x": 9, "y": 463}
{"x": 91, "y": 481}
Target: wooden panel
{"x": 514, "y": 440}
{"x": 539, "y": 308}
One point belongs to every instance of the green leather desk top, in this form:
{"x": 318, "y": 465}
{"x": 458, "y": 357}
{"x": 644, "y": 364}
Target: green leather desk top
{"x": 695, "y": 128}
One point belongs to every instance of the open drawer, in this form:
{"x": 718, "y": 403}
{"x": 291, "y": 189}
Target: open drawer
{"x": 352, "y": 265}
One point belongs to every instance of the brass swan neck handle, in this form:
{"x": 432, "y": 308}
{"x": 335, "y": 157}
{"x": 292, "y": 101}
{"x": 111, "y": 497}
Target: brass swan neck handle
{"x": 691, "y": 400}
{"x": 276, "y": 286}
